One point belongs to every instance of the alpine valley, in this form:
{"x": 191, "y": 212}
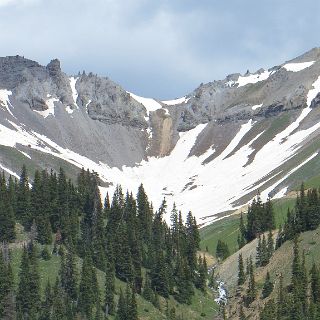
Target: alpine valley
{"x": 103, "y": 193}
{"x": 209, "y": 152}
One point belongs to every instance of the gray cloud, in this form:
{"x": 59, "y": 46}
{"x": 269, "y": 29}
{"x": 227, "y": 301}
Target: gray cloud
{"x": 164, "y": 48}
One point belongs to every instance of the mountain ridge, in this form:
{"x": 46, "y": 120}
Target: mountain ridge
{"x": 223, "y": 130}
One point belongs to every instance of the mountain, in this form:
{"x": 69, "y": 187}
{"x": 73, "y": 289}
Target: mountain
{"x": 210, "y": 151}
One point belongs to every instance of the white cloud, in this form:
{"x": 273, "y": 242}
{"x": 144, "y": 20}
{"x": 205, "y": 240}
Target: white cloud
{"x": 161, "y": 48}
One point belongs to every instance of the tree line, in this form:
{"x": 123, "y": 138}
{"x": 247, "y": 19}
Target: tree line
{"x": 300, "y": 299}
{"x": 124, "y": 237}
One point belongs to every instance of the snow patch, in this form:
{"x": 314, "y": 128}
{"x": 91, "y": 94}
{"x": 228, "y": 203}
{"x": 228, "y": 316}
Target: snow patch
{"x": 50, "y": 111}
{"x": 175, "y": 101}
{"x": 313, "y": 92}
{"x": 298, "y": 66}
{"x": 252, "y": 78}
{"x": 230, "y": 83}
{"x": 216, "y": 185}
{"x": 4, "y": 99}
{"x": 25, "y": 154}
{"x": 257, "y": 106}
{"x": 73, "y": 82}
{"x": 265, "y": 193}
{"x": 69, "y": 109}
{"x": 9, "y": 171}
{"x": 149, "y": 132}
{"x": 87, "y": 105}
{"x": 149, "y": 103}
{"x": 281, "y": 193}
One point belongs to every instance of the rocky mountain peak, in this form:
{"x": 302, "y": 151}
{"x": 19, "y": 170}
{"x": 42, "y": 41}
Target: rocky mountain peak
{"x": 54, "y": 67}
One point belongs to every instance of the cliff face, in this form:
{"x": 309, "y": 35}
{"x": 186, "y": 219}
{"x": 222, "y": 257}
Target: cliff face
{"x": 232, "y": 136}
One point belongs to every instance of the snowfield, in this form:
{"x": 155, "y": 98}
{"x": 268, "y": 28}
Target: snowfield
{"x": 149, "y": 103}
{"x": 176, "y": 101}
{"x": 205, "y": 189}
{"x": 4, "y": 99}
{"x": 50, "y": 111}
{"x": 257, "y": 106}
{"x": 73, "y": 82}
{"x": 298, "y": 66}
{"x": 252, "y": 78}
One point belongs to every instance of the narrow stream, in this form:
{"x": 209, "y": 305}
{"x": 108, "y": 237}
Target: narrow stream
{"x": 222, "y": 293}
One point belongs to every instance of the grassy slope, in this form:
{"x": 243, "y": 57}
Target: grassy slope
{"x": 280, "y": 263}
{"x": 227, "y": 229}
{"x": 202, "y": 303}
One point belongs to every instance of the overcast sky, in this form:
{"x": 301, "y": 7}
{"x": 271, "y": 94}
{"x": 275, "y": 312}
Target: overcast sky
{"x": 163, "y": 49}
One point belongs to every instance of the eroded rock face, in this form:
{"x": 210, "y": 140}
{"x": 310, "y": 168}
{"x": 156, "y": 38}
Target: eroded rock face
{"x": 221, "y": 103}
{"x": 232, "y": 136}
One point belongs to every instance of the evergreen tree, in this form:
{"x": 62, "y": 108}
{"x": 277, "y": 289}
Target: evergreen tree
{"x": 69, "y": 275}
{"x": 38, "y": 209}
{"x": 241, "y": 274}
{"x": 28, "y": 296}
{"x": 315, "y": 283}
{"x": 88, "y": 294}
{"x": 109, "y": 288}
{"x": 222, "y": 251}
{"x": 184, "y": 283}
{"x": 147, "y": 292}
{"x": 299, "y": 283}
{"x": 159, "y": 276}
{"x": 60, "y": 303}
{"x": 23, "y": 200}
{"x": 270, "y": 245}
{"x": 9, "y": 308}
{"x": 269, "y": 221}
{"x": 269, "y": 311}
{"x": 242, "y": 235}
{"x": 201, "y": 278}
{"x": 122, "y": 308}
{"x": 192, "y": 242}
{"x": 7, "y": 219}
{"x": 144, "y": 215}
{"x": 47, "y": 303}
{"x": 106, "y": 207}
{"x": 312, "y": 212}
{"x": 252, "y": 291}
{"x": 6, "y": 286}
{"x": 267, "y": 287}
{"x": 123, "y": 261}
{"x": 282, "y": 301}
{"x": 132, "y": 310}
{"x": 300, "y": 219}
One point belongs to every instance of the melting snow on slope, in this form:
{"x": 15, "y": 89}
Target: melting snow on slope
{"x": 9, "y": 171}
{"x": 257, "y": 106}
{"x": 265, "y": 193}
{"x": 298, "y": 66}
{"x": 281, "y": 193}
{"x": 4, "y": 99}
{"x": 25, "y": 154}
{"x": 50, "y": 111}
{"x": 87, "y": 105}
{"x": 313, "y": 92}
{"x": 149, "y": 103}
{"x": 73, "y": 82}
{"x": 204, "y": 189}
{"x": 69, "y": 110}
{"x": 176, "y": 101}
{"x": 252, "y": 78}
